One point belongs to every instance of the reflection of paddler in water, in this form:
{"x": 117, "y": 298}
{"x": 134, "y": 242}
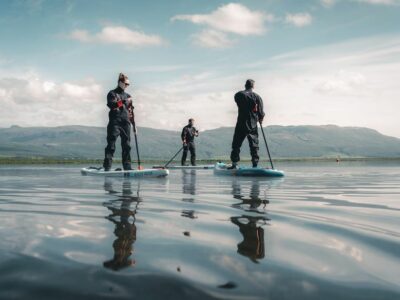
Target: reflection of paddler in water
{"x": 253, "y": 201}
{"x": 123, "y": 216}
{"x": 189, "y": 187}
{"x": 253, "y": 244}
{"x": 189, "y": 182}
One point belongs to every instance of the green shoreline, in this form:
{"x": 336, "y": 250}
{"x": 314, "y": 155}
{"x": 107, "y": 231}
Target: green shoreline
{"x": 51, "y": 160}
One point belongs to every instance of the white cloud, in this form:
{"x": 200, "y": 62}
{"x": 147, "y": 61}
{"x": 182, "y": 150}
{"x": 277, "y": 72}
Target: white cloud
{"x": 341, "y": 82}
{"x": 299, "y": 19}
{"x": 233, "y": 18}
{"x": 229, "y": 19}
{"x": 209, "y": 38}
{"x": 4, "y": 61}
{"x": 81, "y": 35}
{"x": 348, "y": 84}
{"x": 385, "y": 2}
{"x": 160, "y": 68}
{"x": 117, "y": 35}
{"x": 41, "y": 102}
{"x": 330, "y": 3}
{"x": 338, "y": 84}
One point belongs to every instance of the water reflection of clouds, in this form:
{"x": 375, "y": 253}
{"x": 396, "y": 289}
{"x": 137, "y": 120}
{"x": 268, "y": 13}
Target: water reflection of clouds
{"x": 242, "y": 272}
{"x": 85, "y": 257}
{"x": 37, "y": 238}
{"x": 345, "y": 249}
{"x": 250, "y": 278}
{"x": 196, "y": 272}
{"x": 79, "y": 228}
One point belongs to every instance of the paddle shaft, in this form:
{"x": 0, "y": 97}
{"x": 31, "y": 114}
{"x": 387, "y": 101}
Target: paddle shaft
{"x": 136, "y": 142}
{"x": 166, "y": 165}
{"x": 266, "y": 145}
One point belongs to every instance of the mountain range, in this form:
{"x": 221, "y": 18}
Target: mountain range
{"x": 84, "y": 142}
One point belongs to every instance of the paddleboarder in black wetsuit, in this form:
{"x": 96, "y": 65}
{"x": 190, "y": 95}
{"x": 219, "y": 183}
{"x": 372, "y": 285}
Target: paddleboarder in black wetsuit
{"x": 120, "y": 119}
{"x": 251, "y": 111}
{"x": 189, "y": 132}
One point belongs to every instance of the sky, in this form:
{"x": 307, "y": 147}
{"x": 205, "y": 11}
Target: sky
{"x": 315, "y": 62}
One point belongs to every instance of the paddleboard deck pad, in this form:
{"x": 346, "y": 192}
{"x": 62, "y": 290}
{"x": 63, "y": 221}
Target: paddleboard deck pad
{"x": 199, "y": 167}
{"x": 222, "y": 169}
{"x": 145, "y": 173}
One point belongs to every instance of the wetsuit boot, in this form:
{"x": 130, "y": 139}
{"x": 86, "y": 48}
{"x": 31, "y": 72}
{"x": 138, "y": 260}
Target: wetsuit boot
{"x": 233, "y": 167}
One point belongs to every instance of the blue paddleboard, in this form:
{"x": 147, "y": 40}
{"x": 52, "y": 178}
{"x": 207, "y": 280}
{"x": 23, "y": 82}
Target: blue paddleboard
{"x": 222, "y": 169}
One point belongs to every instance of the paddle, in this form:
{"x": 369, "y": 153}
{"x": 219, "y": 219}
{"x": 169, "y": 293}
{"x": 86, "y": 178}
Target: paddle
{"x": 137, "y": 147}
{"x": 266, "y": 145}
{"x": 166, "y": 165}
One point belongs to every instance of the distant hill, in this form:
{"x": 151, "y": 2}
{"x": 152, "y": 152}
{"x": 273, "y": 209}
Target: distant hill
{"x": 284, "y": 141}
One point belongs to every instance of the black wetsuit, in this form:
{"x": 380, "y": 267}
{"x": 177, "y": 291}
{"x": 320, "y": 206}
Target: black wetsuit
{"x": 188, "y": 134}
{"x": 118, "y": 125}
{"x": 251, "y": 110}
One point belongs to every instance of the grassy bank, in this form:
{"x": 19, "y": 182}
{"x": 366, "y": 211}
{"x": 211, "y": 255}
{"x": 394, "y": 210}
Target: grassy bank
{"x": 63, "y": 161}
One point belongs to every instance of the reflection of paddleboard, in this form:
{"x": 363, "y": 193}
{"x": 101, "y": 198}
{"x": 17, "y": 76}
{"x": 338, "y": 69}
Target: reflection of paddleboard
{"x": 146, "y": 173}
{"x": 199, "y": 167}
{"x": 222, "y": 169}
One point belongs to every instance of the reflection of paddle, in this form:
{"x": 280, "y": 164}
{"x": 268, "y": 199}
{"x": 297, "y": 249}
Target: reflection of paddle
{"x": 266, "y": 145}
{"x": 137, "y": 147}
{"x": 166, "y": 165}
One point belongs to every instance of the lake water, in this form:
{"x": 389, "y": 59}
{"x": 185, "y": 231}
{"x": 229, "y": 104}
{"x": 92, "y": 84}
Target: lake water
{"x": 326, "y": 231}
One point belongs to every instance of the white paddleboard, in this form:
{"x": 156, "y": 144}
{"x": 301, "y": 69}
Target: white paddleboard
{"x": 222, "y": 169}
{"x": 146, "y": 173}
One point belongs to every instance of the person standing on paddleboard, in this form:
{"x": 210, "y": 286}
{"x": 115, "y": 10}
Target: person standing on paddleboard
{"x": 250, "y": 112}
{"x": 119, "y": 125}
{"x": 189, "y": 132}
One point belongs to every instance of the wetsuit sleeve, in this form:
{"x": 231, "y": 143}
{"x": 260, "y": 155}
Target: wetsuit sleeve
{"x": 112, "y": 100}
{"x": 237, "y": 98}
{"x": 261, "y": 112}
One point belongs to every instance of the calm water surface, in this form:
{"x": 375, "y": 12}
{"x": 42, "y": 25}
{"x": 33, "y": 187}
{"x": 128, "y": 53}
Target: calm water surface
{"x": 326, "y": 231}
